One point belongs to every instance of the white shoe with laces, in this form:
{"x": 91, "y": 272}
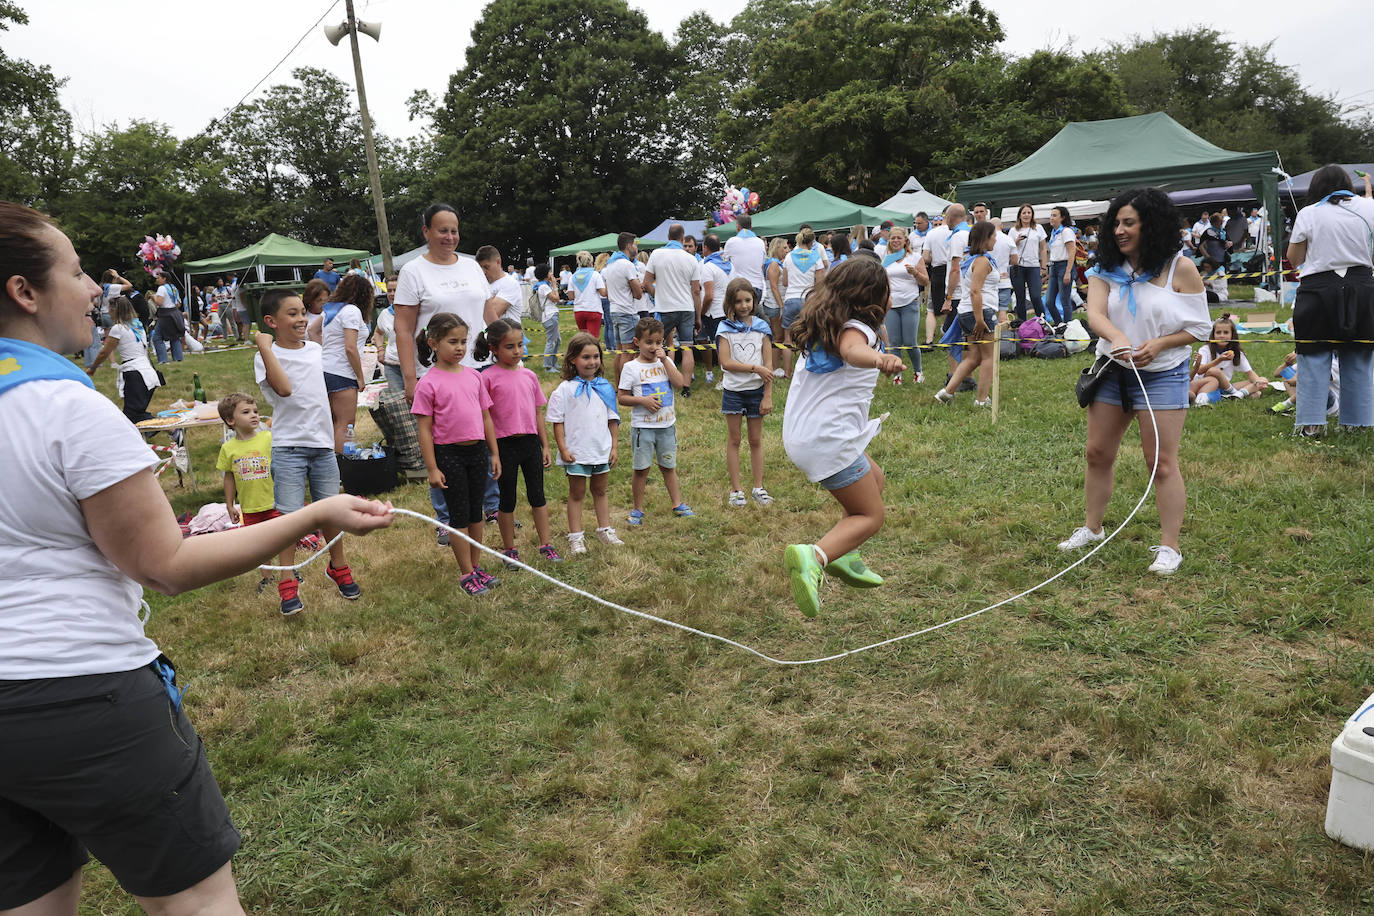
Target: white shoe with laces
{"x": 1081, "y": 538}
{"x": 577, "y": 542}
{"x": 608, "y": 536}
{"x": 943, "y": 396}
{"x": 1167, "y": 560}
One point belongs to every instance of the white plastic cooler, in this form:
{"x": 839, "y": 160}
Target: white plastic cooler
{"x": 1350, "y": 806}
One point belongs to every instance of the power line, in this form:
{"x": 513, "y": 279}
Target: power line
{"x": 269, "y": 73}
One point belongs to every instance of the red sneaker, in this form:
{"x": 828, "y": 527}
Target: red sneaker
{"x": 342, "y": 576}
{"x": 289, "y": 590}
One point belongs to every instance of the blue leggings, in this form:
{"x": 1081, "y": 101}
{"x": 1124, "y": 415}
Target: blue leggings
{"x": 901, "y": 326}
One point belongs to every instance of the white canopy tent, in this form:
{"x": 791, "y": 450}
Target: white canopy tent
{"x": 913, "y": 199}
{"x": 1078, "y": 209}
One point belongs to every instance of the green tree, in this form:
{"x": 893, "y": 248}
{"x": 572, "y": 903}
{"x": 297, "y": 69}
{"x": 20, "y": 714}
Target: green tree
{"x": 36, "y": 146}
{"x": 559, "y": 126}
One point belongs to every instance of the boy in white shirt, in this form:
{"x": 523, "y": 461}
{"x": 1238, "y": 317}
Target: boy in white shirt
{"x": 290, "y": 372}
{"x": 646, "y": 385}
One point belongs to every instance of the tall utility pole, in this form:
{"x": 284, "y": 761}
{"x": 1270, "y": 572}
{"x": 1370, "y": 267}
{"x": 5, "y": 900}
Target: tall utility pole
{"x": 374, "y": 174}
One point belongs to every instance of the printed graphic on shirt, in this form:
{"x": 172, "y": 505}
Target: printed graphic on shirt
{"x": 253, "y": 467}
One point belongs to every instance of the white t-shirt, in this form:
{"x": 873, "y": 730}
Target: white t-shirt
{"x": 617, "y": 275}
{"x": 937, "y": 243}
{"x": 507, "y": 288}
{"x": 825, "y": 424}
{"x": 673, "y": 270}
{"x": 588, "y": 298}
{"x": 1059, "y": 247}
{"x": 65, "y": 610}
{"x": 112, "y": 291}
{"x": 643, "y": 379}
{"x": 168, "y": 293}
{"x": 956, "y": 247}
{"x": 1001, "y": 253}
{"x": 1159, "y": 312}
{"x": 386, "y": 323}
{"x": 586, "y": 429}
{"x": 1337, "y": 235}
{"x": 880, "y": 248}
{"x": 565, "y": 279}
{"x": 799, "y": 282}
{"x": 132, "y": 355}
{"x": 1027, "y": 243}
{"x": 335, "y": 356}
{"x": 548, "y": 301}
{"x": 303, "y": 418}
{"x": 719, "y": 280}
{"x": 1207, "y": 352}
{"x": 904, "y": 288}
{"x": 460, "y": 287}
{"x": 529, "y": 274}
{"x": 745, "y": 347}
{"x": 746, "y": 257}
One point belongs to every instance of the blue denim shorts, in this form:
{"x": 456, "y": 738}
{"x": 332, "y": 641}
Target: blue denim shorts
{"x": 791, "y": 308}
{"x": 684, "y": 323}
{"x": 742, "y": 402}
{"x": 967, "y": 321}
{"x": 1168, "y": 389}
{"x": 769, "y": 312}
{"x": 654, "y": 442}
{"x": 293, "y": 466}
{"x": 333, "y": 383}
{"x": 852, "y": 474}
{"x": 624, "y": 327}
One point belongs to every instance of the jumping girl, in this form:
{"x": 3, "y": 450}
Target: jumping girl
{"x": 746, "y": 356}
{"x": 517, "y": 414}
{"x": 825, "y": 426}
{"x": 456, "y": 438}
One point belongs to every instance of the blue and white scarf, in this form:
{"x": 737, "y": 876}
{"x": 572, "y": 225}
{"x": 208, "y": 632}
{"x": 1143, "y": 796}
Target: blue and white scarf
{"x": 731, "y": 326}
{"x": 717, "y": 259}
{"x": 581, "y": 277}
{"x": 21, "y": 361}
{"x": 618, "y": 256}
{"x": 746, "y": 234}
{"x": 892, "y": 257}
{"x": 599, "y": 386}
{"x": 1123, "y": 277}
{"x": 805, "y": 258}
{"x": 967, "y": 264}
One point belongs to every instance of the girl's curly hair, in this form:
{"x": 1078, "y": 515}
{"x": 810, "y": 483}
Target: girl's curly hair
{"x": 1159, "y": 238}
{"x": 856, "y": 289}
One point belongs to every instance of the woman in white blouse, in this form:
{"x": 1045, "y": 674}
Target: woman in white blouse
{"x": 1333, "y": 240}
{"x": 1032, "y": 260}
{"x": 906, "y": 273}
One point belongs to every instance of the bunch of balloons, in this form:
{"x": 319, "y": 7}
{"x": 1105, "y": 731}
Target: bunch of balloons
{"x": 156, "y": 252}
{"x": 735, "y": 203}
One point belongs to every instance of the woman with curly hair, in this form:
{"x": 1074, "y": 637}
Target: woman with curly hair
{"x": 1333, "y": 240}
{"x": 343, "y": 327}
{"x": 1146, "y": 302}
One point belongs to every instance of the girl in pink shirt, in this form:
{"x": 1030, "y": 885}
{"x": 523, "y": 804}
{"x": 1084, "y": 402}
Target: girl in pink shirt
{"x": 456, "y": 438}
{"x": 517, "y": 413}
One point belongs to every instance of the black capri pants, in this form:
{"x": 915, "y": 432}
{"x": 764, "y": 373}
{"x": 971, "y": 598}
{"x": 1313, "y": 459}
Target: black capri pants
{"x": 465, "y": 468}
{"x": 521, "y": 454}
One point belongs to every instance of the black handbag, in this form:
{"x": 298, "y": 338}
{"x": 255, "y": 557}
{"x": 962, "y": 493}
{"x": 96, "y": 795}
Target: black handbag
{"x": 1091, "y": 379}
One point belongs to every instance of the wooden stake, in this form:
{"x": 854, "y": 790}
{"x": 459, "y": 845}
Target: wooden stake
{"x": 996, "y": 370}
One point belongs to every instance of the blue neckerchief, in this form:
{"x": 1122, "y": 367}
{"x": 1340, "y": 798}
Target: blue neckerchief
{"x": 746, "y": 234}
{"x": 731, "y": 326}
{"x": 618, "y": 256}
{"x": 391, "y": 309}
{"x": 769, "y": 262}
{"x": 1055, "y": 234}
{"x": 719, "y": 261}
{"x": 892, "y": 257}
{"x": 21, "y": 361}
{"x": 596, "y": 384}
{"x": 331, "y": 311}
{"x": 1123, "y": 277}
{"x": 677, "y": 245}
{"x": 805, "y": 258}
{"x": 697, "y": 255}
{"x": 581, "y": 277}
{"x": 967, "y": 264}
{"x": 919, "y": 234}
{"x": 823, "y": 362}
{"x": 540, "y": 289}
{"x": 960, "y": 228}
{"x": 1327, "y": 198}
{"x": 139, "y": 334}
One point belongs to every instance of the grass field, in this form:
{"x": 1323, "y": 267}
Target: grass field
{"x": 1116, "y": 742}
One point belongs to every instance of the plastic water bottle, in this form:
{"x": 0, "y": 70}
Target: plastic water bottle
{"x": 350, "y": 448}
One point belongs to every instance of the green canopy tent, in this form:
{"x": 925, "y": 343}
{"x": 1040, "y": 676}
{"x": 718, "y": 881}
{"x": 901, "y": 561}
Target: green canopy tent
{"x": 272, "y": 251}
{"x": 1088, "y": 159}
{"x": 601, "y": 243}
{"x": 821, "y": 210}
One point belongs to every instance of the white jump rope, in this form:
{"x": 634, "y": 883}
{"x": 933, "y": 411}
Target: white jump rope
{"x": 750, "y": 649}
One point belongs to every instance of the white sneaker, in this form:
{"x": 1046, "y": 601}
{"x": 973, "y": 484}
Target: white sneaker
{"x": 1082, "y": 537}
{"x": 943, "y": 396}
{"x": 778, "y": 373}
{"x": 1167, "y": 560}
{"x": 710, "y": 376}
{"x": 978, "y": 403}
{"x": 737, "y": 498}
{"x": 607, "y": 536}
{"x": 761, "y": 496}
{"x": 920, "y": 377}
{"x": 577, "y": 542}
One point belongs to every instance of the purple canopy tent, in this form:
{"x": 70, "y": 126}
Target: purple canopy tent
{"x": 1244, "y": 193}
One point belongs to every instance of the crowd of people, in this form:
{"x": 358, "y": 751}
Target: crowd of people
{"x": 88, "y": 525}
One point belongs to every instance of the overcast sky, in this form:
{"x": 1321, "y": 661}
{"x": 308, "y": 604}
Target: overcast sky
{"x": 186, "y": 63}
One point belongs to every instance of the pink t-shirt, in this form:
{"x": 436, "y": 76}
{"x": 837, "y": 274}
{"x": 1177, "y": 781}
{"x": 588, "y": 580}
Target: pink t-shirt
{"x": 455, "y": 400}
{"x": 514, "y": 393}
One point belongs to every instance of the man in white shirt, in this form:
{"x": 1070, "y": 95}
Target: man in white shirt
{"x": 746, "y": 253}
{"x": 626, "y": 295}
{"x": 936, "y": 254}
{"x": 880, "y": 238}
{"x": 1200, "y": 227}
{"x": 529, "y": 271}
{"x": 714, "y": 275}
{"x": 670, "y": 277}
{"x": 504, "y": 300}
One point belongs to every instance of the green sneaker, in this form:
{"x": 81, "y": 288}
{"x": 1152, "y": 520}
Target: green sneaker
{"x": 850, "y": 570}
{"x": 806, "y": 574}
